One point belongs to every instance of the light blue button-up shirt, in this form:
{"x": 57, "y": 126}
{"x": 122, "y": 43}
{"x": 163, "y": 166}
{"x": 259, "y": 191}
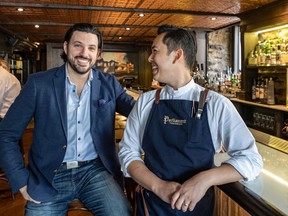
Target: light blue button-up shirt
{"x": 79, "y": 140}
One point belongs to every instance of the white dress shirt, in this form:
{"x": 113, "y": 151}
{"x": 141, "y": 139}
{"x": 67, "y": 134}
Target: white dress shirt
{"x": 80, "y": 145}
{"x": 226, "y": 126}
{"x": 9, "y": 89}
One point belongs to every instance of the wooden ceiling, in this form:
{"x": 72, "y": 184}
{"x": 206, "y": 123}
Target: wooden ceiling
{"x": 112, "y": 17}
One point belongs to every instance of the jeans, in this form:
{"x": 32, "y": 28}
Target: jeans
{"x": 92, "y": 185}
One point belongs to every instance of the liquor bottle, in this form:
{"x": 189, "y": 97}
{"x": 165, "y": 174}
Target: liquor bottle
{"x": 258, "y": 46}
{"x": 268, "y": 56}
{"x": 202, "y": 71}
{"x": 239, "y": 80}
{"x": 284, "y": 54}
{"x": 254, "y": 90}
{"x": 270, "y": 93}
{"x": 278, "y": 54}
{"x": 262, "y": 46}
{"x": 262, "y": 58}
{"x": 251, "y": 58}
{"x": 256, "y": 58}
{"x": 215, "y": 85}
{"x": 202, "y": 77}
{"x": 257, "y": 91}
{"x": 261, "y": 92}
{"x": 273, "y": 55}
{"x": 265, "y": 91}
{"x": 222, "y": 87}
{"x": 283, "y": 44}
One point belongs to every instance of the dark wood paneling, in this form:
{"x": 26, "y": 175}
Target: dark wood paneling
{"x": 266, "y": 17}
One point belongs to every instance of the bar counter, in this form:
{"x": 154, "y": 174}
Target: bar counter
{"x": 268, "y": 193}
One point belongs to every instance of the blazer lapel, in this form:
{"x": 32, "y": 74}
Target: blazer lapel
{"x": 60, "y": 92}
{"x": 95, "y": 90}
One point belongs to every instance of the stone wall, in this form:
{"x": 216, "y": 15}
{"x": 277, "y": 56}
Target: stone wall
{"x": 219, "y": 50}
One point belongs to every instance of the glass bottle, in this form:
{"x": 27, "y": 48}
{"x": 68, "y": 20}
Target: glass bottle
{"x": 268, "y": 55}
{"x": 273, "y": 55}
{"x": 265, "y": 91}
{"x": 278, "y": 54}
{"x": 254, "y": 90}
{"x": 284, "y": 55}
{"x": 270, "y": 92}
{"x": 257, "y": 91}
{"x": 262, "y": 57}
{"x": 251, "y": 58}
{"x": 261, "y": 92}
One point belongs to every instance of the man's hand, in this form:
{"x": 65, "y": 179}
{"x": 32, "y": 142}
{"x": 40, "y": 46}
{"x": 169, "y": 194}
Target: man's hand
{"x": 26, "y": 196}
{"x": 193, "y": 190}
{"x": 166, "y": 189}
{"x": 189, "y": 193}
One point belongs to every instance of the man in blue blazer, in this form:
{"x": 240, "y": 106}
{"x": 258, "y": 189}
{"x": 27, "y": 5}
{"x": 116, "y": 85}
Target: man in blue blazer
{"x": 73, "y": 152}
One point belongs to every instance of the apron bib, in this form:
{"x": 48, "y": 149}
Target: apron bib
{"x": 177, "y": 144}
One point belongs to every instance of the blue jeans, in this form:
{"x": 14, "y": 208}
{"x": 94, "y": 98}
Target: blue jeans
{"x": 92, "y": 185}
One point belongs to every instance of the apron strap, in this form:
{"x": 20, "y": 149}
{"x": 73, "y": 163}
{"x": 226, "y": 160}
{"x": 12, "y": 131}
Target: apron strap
{"x": 202, "y": 100}
{"x": 157, "y": 96}
{"x": 139, "y": 189}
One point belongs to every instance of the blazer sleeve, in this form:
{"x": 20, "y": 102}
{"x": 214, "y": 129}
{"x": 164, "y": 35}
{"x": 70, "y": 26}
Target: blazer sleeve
{"x": 11, "y": 129}
{"x": 124, "y": 101}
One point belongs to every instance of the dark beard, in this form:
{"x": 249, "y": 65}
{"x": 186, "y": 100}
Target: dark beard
{"x": 74, "y": 67}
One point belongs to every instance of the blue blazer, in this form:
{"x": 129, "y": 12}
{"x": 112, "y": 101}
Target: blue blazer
{"x": 44, "y": 99}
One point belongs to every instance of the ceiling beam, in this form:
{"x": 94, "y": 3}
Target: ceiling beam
{"x": 117, "y": 9}
{"x": 70, "y": 24}
{"x": 97, "y": 25}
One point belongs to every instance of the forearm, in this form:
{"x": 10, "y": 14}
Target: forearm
{"x": 143, "y": 176}
{"x": 221, "y": 175}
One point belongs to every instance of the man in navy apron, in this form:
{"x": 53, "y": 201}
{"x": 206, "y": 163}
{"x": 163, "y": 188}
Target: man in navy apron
{"x": 179, "y": 129}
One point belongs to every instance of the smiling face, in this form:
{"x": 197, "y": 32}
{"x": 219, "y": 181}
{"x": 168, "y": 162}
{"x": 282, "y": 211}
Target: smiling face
{"x": 81, "y": 51}
{"x": 162, "y": 63}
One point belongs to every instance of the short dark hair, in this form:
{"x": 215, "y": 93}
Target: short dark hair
{"x": 176, "y": 37}
{"x": 83, "y": 27}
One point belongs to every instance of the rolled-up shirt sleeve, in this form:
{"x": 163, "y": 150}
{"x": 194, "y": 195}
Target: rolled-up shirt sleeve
{"x": 232, "y": 132}
{"x": 131, "y": 143}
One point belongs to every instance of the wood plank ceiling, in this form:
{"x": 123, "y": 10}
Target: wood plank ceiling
{"x": 114, "y": 16}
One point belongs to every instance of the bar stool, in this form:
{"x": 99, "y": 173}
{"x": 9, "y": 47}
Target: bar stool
{"x": 4, "y": 178}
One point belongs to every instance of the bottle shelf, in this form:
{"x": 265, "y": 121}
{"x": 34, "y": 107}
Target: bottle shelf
{"x": 271, "y": 119}
{"x": 274, "y": 107}
{"x": 267, "y": 66}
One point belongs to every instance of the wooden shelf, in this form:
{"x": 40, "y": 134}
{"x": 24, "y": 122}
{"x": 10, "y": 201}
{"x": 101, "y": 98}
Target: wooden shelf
{"x": 267, "y": 66}
{"x": 274, "y": 107}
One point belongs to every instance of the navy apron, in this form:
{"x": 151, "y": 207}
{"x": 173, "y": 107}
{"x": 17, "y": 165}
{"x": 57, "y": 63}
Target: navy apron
{"x": 177, "y": 144}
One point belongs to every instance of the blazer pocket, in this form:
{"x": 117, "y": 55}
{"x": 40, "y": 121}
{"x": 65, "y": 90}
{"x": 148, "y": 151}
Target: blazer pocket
{"x": 104, "y": 105}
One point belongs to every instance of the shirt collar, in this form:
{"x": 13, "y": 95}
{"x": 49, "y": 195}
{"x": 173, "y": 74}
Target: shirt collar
{"x": 182, "y": 90}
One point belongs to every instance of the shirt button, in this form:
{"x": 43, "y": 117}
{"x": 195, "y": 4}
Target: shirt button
{"x": 55, "y": 170}
{"x": 64, "y": 146}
